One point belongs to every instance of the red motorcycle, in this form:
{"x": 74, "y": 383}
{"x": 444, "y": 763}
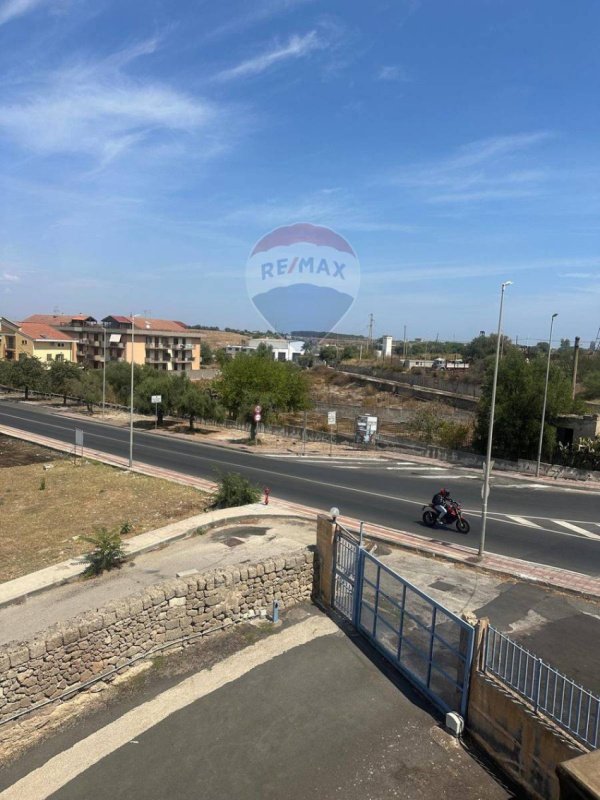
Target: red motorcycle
{"x": 453, "y": 517}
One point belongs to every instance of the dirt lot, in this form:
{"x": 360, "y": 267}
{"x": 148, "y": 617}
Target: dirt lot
{"x": 45, "y": 511}
{"x": 14, "y": 453}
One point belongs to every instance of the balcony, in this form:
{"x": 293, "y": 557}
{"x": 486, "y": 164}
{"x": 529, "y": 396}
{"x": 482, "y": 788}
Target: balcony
{"x": 157, "y": 361}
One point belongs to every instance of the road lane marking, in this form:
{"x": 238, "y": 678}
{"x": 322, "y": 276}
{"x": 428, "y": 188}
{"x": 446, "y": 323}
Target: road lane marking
{"x": 523, "y": 521}
{"x": 575, "y": 528}
{"x": 66, "y": 766}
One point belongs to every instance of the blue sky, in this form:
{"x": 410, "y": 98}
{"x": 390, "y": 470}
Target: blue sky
{"x": 146, "y": 146}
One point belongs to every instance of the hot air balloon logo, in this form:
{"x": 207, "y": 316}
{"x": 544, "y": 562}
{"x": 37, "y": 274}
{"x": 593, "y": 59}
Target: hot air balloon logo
{"x": 302, "y": 277}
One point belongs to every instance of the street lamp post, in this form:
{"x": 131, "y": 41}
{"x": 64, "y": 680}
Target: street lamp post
{"x": 488, "y": 457}
{"x": 541, "y": 442}
{"x": 104, "y": 372}
{"x": 133, "y": 316}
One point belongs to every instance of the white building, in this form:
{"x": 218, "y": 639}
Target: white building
{"x": 283, "y": 350}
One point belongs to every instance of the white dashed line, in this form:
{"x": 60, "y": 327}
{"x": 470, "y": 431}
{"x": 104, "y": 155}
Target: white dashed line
{"x": 523, "y": 521}
{"x": 576, "y": 528}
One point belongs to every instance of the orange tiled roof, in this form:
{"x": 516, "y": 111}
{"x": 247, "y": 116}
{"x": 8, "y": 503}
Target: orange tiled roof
{"x": 40, "y": 332}
{"x": 57, "y": 319}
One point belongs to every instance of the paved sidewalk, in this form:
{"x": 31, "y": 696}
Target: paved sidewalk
{"x": 238, "y": 540}
{"x": 58, "y": 574}
{"x": 540, "y": 574}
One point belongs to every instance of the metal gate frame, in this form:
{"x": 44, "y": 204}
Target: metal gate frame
{"x": 345, "y": 563}
{"x": 350, "y": 584}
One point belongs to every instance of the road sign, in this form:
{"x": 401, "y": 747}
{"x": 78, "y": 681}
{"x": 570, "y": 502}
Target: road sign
{"x": 257, "y": 418}
{"x": 257, "y": 409}
{"x": 331, "y": 417}
{"x": 157, "y": 398}
{"x": 78, "y": 437}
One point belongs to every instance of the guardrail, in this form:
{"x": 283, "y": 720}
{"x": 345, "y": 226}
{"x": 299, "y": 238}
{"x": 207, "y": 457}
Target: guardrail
{"x": 552, "y": 694}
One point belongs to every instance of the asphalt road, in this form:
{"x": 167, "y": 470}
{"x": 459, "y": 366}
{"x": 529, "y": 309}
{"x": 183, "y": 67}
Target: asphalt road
{"x": 555, "y": 526}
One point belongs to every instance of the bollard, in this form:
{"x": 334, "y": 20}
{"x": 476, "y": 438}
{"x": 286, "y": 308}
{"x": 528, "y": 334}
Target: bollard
{"x": 275, "y": 611}
{"x": 267, "y": 493}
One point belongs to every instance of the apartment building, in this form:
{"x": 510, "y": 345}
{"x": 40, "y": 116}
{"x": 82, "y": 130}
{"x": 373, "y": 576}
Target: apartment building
{"x": 163, "y": 344}
{"x": 35, "y": 339}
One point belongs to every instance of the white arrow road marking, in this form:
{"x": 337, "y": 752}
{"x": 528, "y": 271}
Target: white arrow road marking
{"x": 523, "y": 521}
{"x": 575, "y": 528}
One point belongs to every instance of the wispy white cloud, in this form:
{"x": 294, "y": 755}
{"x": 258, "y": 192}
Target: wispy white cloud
{"x": 296, "y": 47}
{"x": 488, "y": 169}
{"x": 96, "y": 109}
{"x": 261, "y": 11}
{"x": 11, "y": 9}
{"x": 8, "y": 277}
{"x": 578, "y": 275}
{"x": 390, "y": 275}
{"x": 393, "y": 73}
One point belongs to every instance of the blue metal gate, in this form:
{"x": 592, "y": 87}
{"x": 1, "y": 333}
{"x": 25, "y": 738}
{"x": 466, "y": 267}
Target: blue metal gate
{"x": 430, "y": 645}
{"x": 344, "y": 581}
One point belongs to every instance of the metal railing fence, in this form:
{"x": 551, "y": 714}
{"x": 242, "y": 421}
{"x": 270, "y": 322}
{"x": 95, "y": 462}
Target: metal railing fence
{"x": 551, "y": 693}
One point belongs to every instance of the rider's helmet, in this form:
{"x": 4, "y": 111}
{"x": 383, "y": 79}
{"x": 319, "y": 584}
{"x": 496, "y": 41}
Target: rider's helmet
{"x": 445, "y": 493}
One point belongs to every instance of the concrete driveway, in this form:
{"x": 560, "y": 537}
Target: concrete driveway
{"x": 308, "y": 712}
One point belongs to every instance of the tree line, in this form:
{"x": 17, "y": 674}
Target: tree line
{"x": 249, "y": 380}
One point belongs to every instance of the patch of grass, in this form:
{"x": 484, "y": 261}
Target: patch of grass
{"x": 38, "y": 528}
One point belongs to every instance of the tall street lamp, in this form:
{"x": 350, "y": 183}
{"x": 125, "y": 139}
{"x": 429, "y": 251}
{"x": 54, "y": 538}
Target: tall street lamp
{"x": 104, "y": 325}
{"x": 541, "y": 442}
{"x": 488, "y": 458}
{"x": 133, "y": 316}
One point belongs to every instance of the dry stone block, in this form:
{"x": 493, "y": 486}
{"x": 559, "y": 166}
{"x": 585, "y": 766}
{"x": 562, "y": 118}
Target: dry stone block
{"x": 177, "y": 601}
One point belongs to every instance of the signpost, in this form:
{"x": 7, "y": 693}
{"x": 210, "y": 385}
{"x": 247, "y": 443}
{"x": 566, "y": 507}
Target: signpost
{"x": 331, "y": 421}
{"x": 78, "y": 441}
{"x": 156, "y": 399}
{"x": 256, "y": 418}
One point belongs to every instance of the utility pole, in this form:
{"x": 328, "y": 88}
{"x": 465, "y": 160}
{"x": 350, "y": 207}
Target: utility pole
{"x": 371, "y": 320}
{"x": 541, "y": 442}
{"x": 575, "y": 361}
{"x": 404, "y": 344}
{"x": 485, "y": 491}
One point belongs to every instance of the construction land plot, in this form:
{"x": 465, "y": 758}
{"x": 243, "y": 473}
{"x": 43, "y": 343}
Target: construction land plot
{"x": 48, "y": 503}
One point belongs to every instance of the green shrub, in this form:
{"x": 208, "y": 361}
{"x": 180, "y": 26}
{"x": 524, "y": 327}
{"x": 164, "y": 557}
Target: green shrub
{"x": 454, "y": 435}
{"x": 108, "y": 552}
{"x": 42, "y": 484}
{"x": 126, "y": 528}
{"x": 234, "y": 490}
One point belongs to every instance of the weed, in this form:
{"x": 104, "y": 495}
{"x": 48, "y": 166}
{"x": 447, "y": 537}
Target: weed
{"x": 108, "y": 552}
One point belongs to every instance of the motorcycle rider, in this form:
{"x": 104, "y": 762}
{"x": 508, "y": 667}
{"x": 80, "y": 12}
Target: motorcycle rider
{"x": 440, "y": 504}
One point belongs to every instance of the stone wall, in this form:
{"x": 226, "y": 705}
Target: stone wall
{"x": 87, "y": 646}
